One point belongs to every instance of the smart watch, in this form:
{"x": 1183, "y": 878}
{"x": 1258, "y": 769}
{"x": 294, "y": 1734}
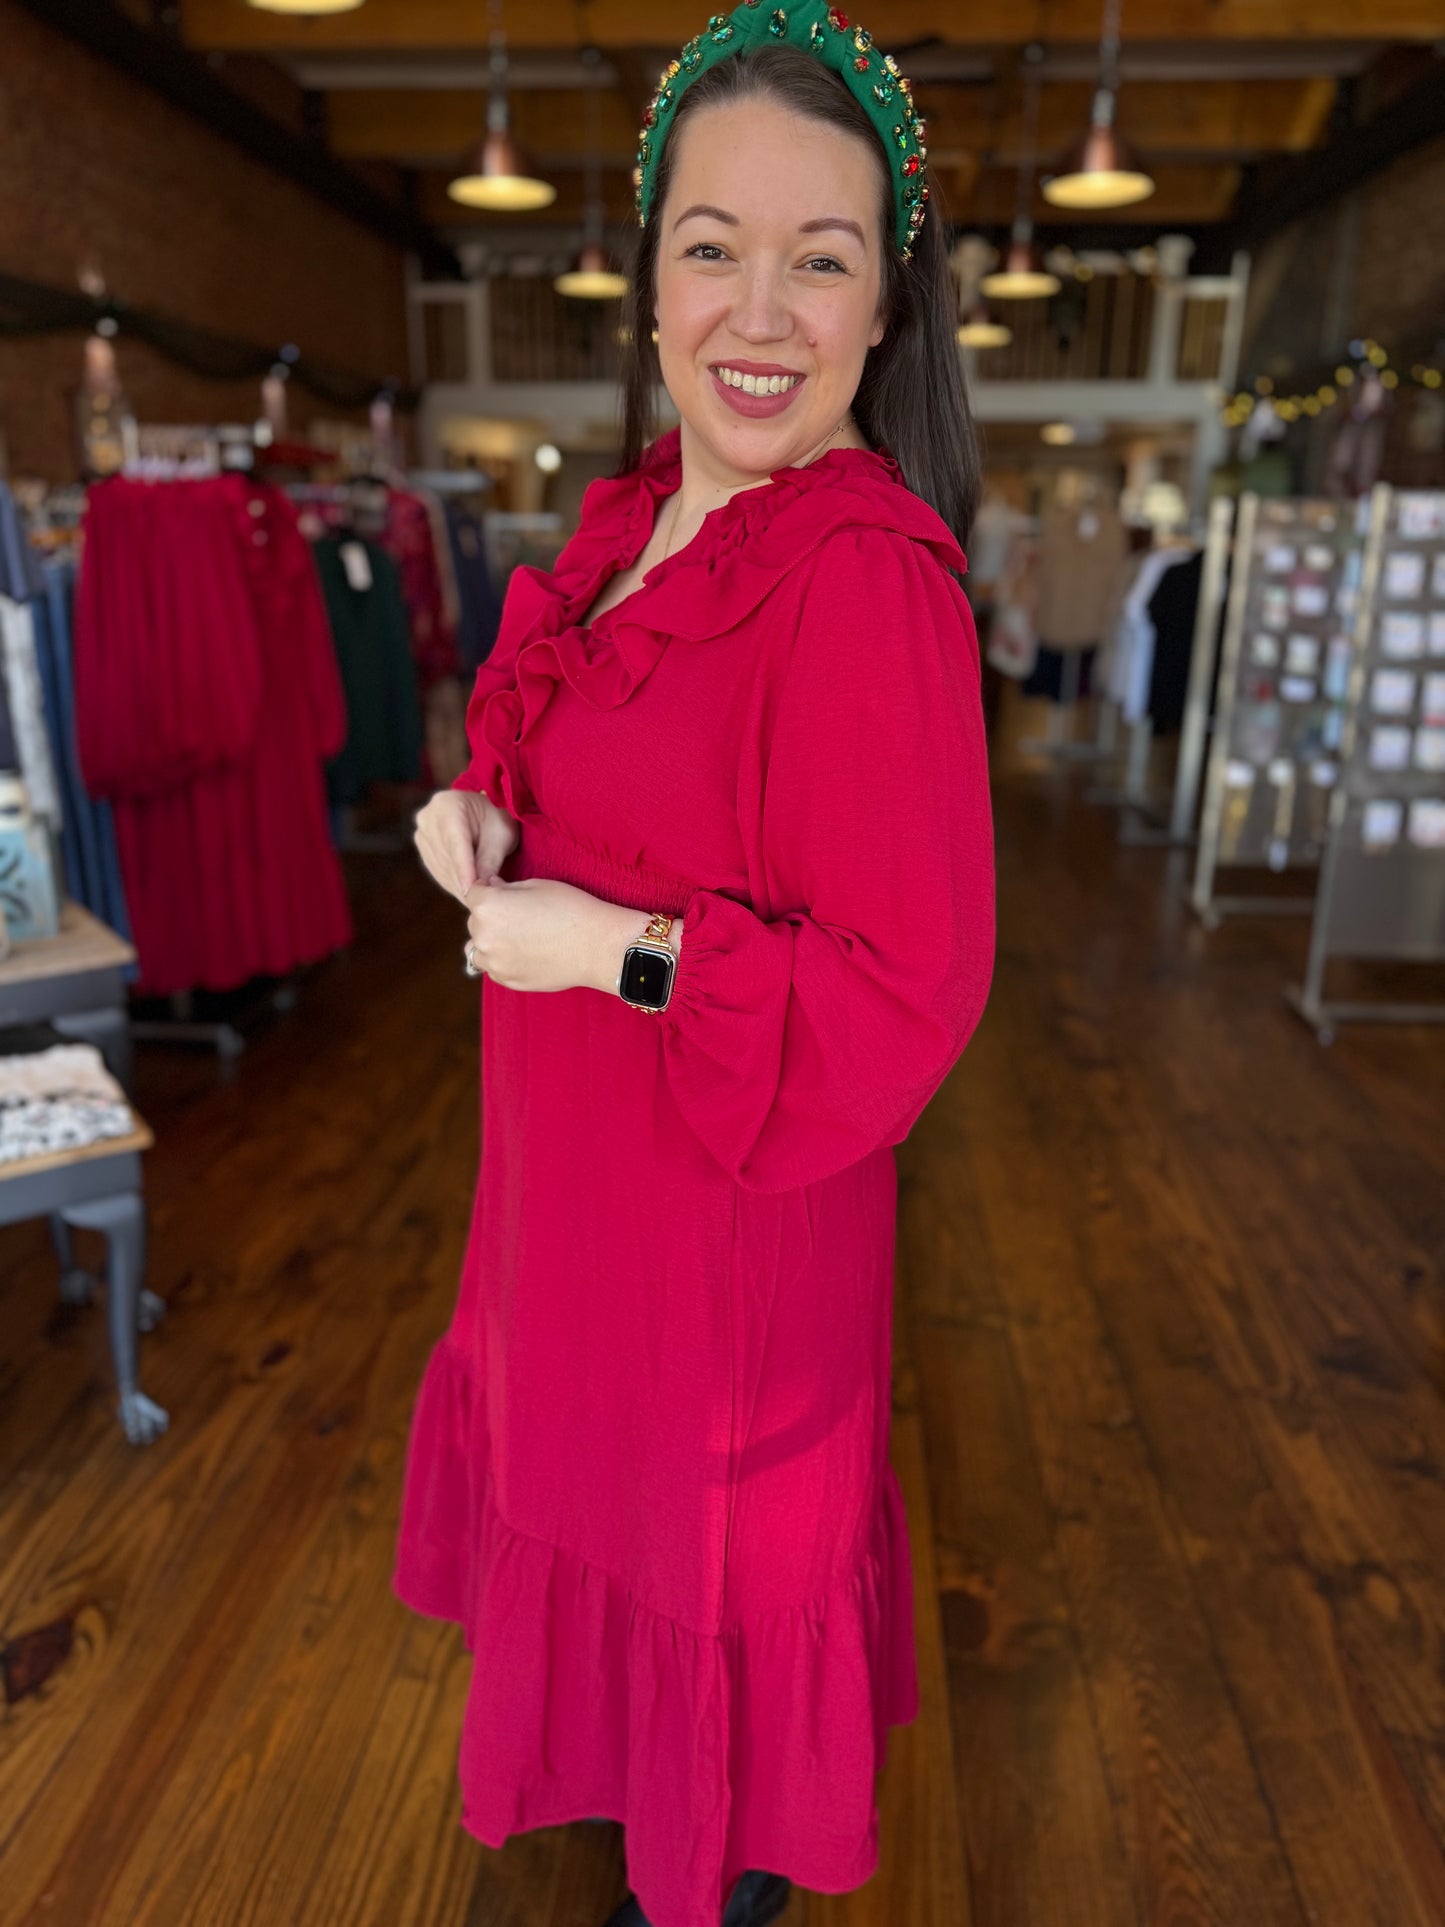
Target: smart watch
{"x": 648, "y": 968}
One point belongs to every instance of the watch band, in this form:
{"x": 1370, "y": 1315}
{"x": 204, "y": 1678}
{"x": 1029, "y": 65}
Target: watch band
{"x": 654, "y": 939}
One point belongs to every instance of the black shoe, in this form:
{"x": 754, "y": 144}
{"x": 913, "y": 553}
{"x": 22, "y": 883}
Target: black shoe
{"x": 629, "y": 1914}
{"x": 756, "y": 1899}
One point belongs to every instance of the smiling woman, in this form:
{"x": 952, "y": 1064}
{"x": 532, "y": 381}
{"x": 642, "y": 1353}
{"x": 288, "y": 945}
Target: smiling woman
{"x": 770, "y": 250}
{"x": 738, "y": 273}
{"x": 739, "y": 719}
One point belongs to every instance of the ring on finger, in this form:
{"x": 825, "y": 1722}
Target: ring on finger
{"x": 471, "y": 966}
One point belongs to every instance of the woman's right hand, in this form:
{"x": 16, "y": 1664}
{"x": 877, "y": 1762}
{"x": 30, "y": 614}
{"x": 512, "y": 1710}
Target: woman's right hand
{"x": 463, "y": 838}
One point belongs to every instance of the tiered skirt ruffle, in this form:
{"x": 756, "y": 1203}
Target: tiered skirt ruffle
{"x": 756, "y": 1747}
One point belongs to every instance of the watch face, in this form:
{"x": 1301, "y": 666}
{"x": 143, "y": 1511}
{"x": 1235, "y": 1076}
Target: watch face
{"x": 647, "y": 976}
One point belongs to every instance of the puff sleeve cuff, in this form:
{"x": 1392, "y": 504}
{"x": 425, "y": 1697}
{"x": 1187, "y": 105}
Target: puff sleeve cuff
{"x": 796, "y": 1046}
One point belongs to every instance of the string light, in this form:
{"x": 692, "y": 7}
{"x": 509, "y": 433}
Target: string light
{"x": 1366, "y": 354}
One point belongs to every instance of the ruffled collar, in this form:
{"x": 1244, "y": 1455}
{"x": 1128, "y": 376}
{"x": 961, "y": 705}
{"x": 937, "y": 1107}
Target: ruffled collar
{"x": 746, "y": 544}
{"x": 742, "y": 551}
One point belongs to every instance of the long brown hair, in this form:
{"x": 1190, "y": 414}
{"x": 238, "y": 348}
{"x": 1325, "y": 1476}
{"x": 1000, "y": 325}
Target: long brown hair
{"x": 911, "y": 400}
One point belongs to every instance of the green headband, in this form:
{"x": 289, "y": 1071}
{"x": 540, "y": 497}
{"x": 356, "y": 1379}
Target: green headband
{"x": 824, "y": 31}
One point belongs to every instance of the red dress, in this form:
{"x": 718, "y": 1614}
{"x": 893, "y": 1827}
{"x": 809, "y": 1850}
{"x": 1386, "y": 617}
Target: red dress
{"x": 648, "y": 1468}
{"x": 207, "y": 700}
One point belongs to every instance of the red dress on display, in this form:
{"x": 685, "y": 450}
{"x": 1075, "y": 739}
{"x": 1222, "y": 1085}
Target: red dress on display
{"x": 207, "y": 699}
{"x": 648, "y": 1468}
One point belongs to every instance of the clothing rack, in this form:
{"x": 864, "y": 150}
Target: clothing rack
{"x": 1148, "y": 819}
{"x": 222, "y": 1035}
{"x": 177, "y": 451}
{"x": 450, "y": 481}
{"x": 212, "y": 966}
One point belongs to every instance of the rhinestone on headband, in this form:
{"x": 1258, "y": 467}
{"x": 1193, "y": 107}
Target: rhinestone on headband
{"x": 873, "y": 78}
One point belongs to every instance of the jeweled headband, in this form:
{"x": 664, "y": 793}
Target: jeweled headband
{"x": 827, "y": 33}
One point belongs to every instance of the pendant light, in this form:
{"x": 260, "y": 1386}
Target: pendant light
{"x": 593, "y": 278}
{"x": 979, "y": 328}
{"x": 1101, "y": 170}
{"x": 494, "y": 174}
{"x": 1023, "y": 276}
{"x": 305, "y": 6}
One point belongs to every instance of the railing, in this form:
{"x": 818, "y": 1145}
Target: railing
{"x": 540, "y": 335}
{"x": 1110, "y": 327}
{"x": 1096, "y": 330}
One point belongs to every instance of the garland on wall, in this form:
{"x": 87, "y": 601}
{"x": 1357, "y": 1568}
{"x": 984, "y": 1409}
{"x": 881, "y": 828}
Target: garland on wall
{"x": 1364, "y": 362}
{"x": 29, "y": 309}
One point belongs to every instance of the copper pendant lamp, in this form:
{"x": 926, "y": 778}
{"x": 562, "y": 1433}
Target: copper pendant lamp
{"x": 495, "y": 174}
{"x": 1023, "y": 276}
{"x": 1101, "y": 170}
{"x": 980, "y": 330}
{"x": 593, "y": 278}
{"x": 305, "y": 6}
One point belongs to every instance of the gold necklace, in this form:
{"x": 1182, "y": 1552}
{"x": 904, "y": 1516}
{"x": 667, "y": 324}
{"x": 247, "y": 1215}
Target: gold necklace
{"x": 677, "y": 493}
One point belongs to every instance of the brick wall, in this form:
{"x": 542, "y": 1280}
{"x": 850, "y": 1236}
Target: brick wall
{"x": 1400, "y": 273}
{"x": 98, "y": 169}
{"x": 1370, "y": 265}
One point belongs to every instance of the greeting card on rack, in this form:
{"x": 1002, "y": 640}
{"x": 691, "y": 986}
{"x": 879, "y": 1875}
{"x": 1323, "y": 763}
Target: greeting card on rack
{"x": 1383, "y": 880}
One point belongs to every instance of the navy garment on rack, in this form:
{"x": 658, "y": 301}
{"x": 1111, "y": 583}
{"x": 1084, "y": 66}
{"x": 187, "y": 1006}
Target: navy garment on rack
{"x": 9, "y": 748}
{"x": 1047, "y": 675}
{"x": 88, "y": 846}
{"x": 481, "y": 608}
{"x": 1172, "y": 610}
{"x": 20, "y": 576}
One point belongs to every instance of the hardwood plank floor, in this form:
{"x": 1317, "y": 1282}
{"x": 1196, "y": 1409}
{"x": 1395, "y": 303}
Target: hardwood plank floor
{"x": 1167, "y": 1389}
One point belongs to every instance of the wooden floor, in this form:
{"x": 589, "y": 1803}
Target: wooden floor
{"x": 1168, "y": 1417}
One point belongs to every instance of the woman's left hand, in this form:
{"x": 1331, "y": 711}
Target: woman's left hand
{"x": 539, "y": 934}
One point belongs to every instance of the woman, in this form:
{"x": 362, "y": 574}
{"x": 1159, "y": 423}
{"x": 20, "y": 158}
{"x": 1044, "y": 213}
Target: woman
{"x": 648, "y": 1471}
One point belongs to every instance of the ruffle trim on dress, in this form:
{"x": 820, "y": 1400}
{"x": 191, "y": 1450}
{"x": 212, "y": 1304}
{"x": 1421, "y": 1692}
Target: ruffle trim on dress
{"x": 743, "y": 550}
{"x": 757, "y": 1747}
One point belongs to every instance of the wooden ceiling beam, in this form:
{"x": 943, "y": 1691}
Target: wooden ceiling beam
{"x": 465, "y": 25}
{"x": 1227, "y": 119}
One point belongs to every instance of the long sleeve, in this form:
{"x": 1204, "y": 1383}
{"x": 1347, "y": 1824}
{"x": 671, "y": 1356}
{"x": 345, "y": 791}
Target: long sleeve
{"x": 798, "y": 1045}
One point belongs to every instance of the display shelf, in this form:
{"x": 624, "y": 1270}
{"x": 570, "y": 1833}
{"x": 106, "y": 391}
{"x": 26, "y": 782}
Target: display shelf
{"x": 1290, "y": 647}
{"x": 1382, "y": 881}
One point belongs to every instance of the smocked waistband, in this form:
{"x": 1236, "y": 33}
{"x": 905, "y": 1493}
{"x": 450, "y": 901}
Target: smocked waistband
{"x": 546, "y": 851}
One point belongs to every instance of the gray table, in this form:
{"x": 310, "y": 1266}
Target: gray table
{"x": 73, "y": 981}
